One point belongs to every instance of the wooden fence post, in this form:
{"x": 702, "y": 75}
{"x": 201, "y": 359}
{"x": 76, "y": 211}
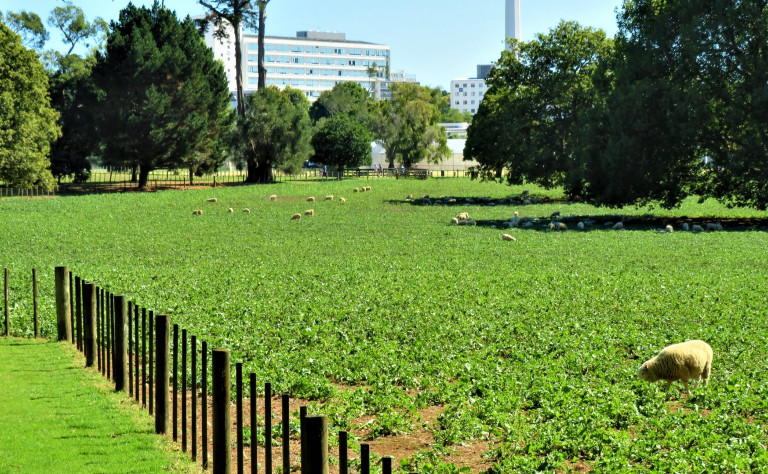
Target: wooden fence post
{"x": 222, "y": 422}
{"x": 34, "y": 302}
{"x": 193, "y": 362}
{"x": 175, "y": 370}
{"x": 162, "y": 333}
{"x": 63, "y": 308}
{"x": 71, "y": 309}
{"x": 365, "y": 459}
{"x": 239, "y": 414}
{"x": 267, "y": 427}
{"x": 343, "y": 455}
{"x": 7, "y": 306}
{"x": 89, "y": 323}
{"x": 204, "y": 401}
{"x": 120, "y": 345}
{"x": 254, "y": 451}
{"x": 78, "y": 313}
{"x": 184, "y": 390}
{"x": 316, "y": 446}
{"x": 286, "y": 435}
{"x": 386, "y": 465}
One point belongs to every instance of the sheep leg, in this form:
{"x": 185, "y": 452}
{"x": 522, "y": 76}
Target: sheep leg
{"x": 685, "y": 383}
{"x": 667, "y": 387}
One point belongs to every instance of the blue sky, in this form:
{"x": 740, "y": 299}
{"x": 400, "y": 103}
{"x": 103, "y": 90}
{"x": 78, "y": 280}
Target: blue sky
{"x": 434, "y": 40}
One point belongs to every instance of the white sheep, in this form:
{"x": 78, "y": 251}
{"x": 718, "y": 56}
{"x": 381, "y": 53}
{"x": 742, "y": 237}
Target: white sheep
{"x": 467, "y": 222}
{"x": 273, "y": 197}
{"x": 508, "y": 237}
{"x": 341, "y": 199}
{"x": 517, "y": 215}
{"x": 669, "y": 229}
{"x": 230, "y": 210}
{"x": 554, "y": 214}
{"x": 309, "y": 212}
{"x": 296, "y": 217}
{"x": 714, "y": 226}
{"x": 580, "y": 225}
{"x": 562, "y": 226}
{"x": 454, "y": 221}
{"x": 329, "y": 198}
{"x": 409, "y": 197}
{"x": 246, "y": 210}
{"x": 697, "y": 228}
{"x": 686, "y": 227}
{"x": 311, "y": 199}
{"x": 618, "y": 226}
{"x": 198, "y": 212}
{"x": 684, "y": 361}
{"x": 463, "y": 215}
{"x": 367, "y": 188}
{"x": 357, "y": 190}
{"x": 212, "y": 200}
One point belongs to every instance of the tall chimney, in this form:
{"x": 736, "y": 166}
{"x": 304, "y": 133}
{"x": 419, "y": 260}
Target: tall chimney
{"x": 512, "y": 26}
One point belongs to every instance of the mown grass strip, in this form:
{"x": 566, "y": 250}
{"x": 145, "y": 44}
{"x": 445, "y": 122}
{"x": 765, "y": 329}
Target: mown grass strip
{"x": 56, "y": 416}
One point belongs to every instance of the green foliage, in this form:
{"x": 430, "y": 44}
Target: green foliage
{"x": 379, "y": 306}
{"x": 407, "y": 126}
{"x": 343, "y": 142}
{"x": 71, "y": 22}
{"x": 27, "y": 121}
{"x": 346, "y": 97}
{"x": 29, "y": 26}
{"x": 275, "y": 132}
{"x": 164, "y": 96}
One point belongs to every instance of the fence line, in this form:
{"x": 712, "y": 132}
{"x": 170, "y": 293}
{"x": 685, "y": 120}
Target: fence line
{"x": 110, "y": 330}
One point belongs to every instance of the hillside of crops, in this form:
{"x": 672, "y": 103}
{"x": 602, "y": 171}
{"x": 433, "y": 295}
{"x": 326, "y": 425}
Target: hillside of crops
{"x": 380, "y": 311}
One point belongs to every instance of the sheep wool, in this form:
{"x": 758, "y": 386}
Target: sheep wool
{"x": 311, "y": 199}
{"x": 580, "y": 225}
{"x": 212, "y": 200}
{"x": 686, "y": 227}
{"x": 463, "y": 215}
{"x": 246, "y": 210}
{"x": 357, "y": 190}
{"x": 454, "y": 221}
{"x": 198, "y": 212}
{"x": 230, "y": 210}
{"x": 508, "y": 237}
{"x": 329, "y": 198}
{"x": 296, "y": 217}
{"x": 342, "y": 200}
{"x": 309, "y": 212}
{"x": 618, "y": 226}
{"x": 273, "y": 197}
{"x": 697, "y": 228}
{"x": 684, "y": 361}
{"x": 714, "y": 226}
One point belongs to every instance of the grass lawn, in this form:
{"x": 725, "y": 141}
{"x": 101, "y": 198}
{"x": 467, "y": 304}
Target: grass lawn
{"x": 58, "y": 417}
{"x": 515, "y": 356}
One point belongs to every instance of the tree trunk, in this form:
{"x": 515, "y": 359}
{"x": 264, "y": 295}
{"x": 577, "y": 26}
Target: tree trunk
{"x": 263, "y": 173}
{"x": 239, "y": 71}
{"x": 134, "y": 170}
{"x": 191, "y": 177}
{"x": 143, "y": 176}
{"x": 262, "y": 69}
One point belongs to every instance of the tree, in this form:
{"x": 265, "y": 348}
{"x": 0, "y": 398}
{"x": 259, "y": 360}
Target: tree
{"x": 407, "y": 126}
{"x": 71, "y": 22}
{"x": 533, "y": 112}
{"x": 343, "y": 142}
{"x": 275, "y": 132}
{"x": 27, "y": 121}
{"x": 165, "y": 97}
{"x": 29, "y": 26}
{"x": 346, "y": 97}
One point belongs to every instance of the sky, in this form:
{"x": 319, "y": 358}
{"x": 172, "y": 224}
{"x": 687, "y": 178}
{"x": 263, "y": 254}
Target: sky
{"x": 435, "y": 41}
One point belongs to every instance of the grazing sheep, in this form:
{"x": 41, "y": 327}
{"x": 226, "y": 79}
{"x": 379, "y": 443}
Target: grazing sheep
{"x": 357, "y": 190}
{"x": 467, "y": 222}
{"x": 329, "y": 198}
{"x": 552, "y": 226}
{"x": 697, "y": 228}
{"x": 517, "y": 214}
{"x": 211, "y": 200}
{"x": 409, "y": 197}
{"x": 684, "y": 361}
{"x": 309, "y": 212}
{"x": 246, "y": 210}
{"x": 554, "y": 214}
{"x": 525, "y": 192}
{"x": 296, "y": 217}
{"x": 528, "y": 224}
{"x": 367, "y": 188}
{"x": 686, "y": 227}
{"x": 527, "y": 201}
{"x": 618, "y": 226}
{"x": 230, "y": 210}
{"x": 463, "y": 215}
{"x": 508, "y": 237}
{"x": 512, "y": 224}
{"x": 669, "y": 229}
{"x": 562, "y": 226}
{"x": 342, "y": 200}
{"x": 273, "y": 197}
{"x": 714, "y": 226}
{"x": 580, "y": 225}
{"x": 454, "y": 221}
{"x": 311, "y": 199}
{"x": 198, "y": 212}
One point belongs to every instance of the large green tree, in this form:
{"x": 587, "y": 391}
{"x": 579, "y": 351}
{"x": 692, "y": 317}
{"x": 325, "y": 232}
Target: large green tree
{"x": 275, "y": 132}
{"x": 346, "y": 97}
{"x": 29, "y": 26}
{"x": 27, "y": 121}
{"x": 530, "y": 121}
{"x": 343, "y": 142}
{"x": 406, "y": 125}
{"x": 164, "y": 96}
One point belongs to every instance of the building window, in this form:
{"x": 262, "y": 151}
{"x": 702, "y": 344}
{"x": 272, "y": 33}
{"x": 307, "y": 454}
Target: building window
{"x": 297, "y": 60}
{"x": 283, "y": 48}
{"x": 269, "y": 47}
{"x": 297, "y": 71}
{"x": 297, "y": 48}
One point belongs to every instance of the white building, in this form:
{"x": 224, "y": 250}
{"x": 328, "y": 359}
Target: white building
{"x": 466, "y": 94}
{"x": 312, "y": 62}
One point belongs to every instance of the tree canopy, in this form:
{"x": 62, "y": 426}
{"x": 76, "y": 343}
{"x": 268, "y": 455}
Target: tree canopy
{"x": 346, "y": 97}
{"x": 27, "y": 121}
{"x": 164, "y": 96}
{"x": 343, "y": 142}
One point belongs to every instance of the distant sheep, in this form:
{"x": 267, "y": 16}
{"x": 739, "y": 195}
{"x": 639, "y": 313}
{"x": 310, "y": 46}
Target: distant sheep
{"x": 685, "y": 226}
{"x": 454, "y": 221}
{"x": 517, "y": 215}
{"x": 311, "y": 199}
{"x": 367, "y": 188}
{"x": 329, "y": 198}
{"x": 211, "y": 200}
{"x": 562, "y": 226}
{"x": 357, "y": 190}
{"x": 618, "y": 226}
{"x": 554, "y": 214}
{"x": 697, "y": 228}
{"x": 342, "y": 200}
{"x": 467, "y": 222}
{"x": 409, "y": 197}
{"x": 714, "y": 226}
{"x": 309, "y": 212}
{"x": 198, "y": 212}
{"x": 273, "y": 197}
{"x": 463, "y": 215}
{"x": 246, "y": 210}
{"x": 230, "y": 210}
{"x": 508, "y": 237}
{"x": 296, "y": 217}
{"x": 580, "y": 225}
{"x": 683, "y": 361}
{"x": 669, "y": 229}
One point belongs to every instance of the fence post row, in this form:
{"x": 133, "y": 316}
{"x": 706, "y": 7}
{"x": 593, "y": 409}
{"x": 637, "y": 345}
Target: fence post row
{"x": 63, "y": 308}
{"x": 89, "y": 323}
{"x": 120, "y": 367}
{"x": 162, "y": 330}
{"x": 7, "y": 306}
{"x": 34, "y": 303}
{"x": 222, "y": 422}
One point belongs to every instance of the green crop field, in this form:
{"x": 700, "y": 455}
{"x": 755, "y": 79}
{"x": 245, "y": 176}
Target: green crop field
{"x": 380, "y": 312}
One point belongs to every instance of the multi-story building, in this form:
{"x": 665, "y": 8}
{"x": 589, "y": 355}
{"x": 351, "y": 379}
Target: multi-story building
{"x": 466, "y": 94}
{"x": 312, "y": 62}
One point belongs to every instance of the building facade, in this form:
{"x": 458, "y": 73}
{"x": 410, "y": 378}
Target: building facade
{"x": 466, "y": 94}
{"x": 312, "y": 61}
